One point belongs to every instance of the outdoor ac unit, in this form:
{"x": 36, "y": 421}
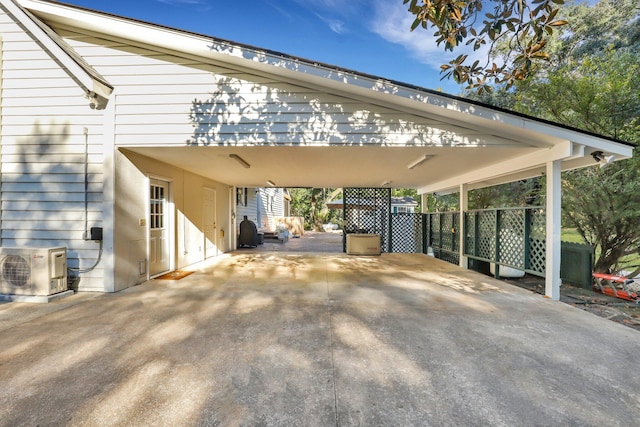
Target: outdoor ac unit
{"x": 363, "y": 244}
{"x": 33, "y": 271}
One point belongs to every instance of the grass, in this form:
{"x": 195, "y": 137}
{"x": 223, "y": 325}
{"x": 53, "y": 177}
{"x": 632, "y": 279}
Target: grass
{"x": 571, "y": 235}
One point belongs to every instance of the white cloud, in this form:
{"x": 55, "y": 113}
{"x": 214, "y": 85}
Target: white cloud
{"x": 335, "y": 25}
{"x": 392, "y": 22}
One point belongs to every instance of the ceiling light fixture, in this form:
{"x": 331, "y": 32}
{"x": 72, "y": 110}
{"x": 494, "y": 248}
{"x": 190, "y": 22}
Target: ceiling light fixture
{"x": 384, "y": 184}
{"x": 271, "y": 183}
{"x": 420, "y": 160}
{"x": 240, "y": 160}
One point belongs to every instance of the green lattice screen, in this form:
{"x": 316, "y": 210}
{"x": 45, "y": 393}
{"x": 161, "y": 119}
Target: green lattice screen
{"x": 406, "y": 233}
{"x": 511, "y": 237}
{"x": 367, "y": 210}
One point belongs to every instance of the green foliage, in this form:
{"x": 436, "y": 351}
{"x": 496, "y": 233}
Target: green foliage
{"x": 528, "y": 192}
{"x": 603, "y": 204}
{"x": 311, "y": 204}
{"x": 521, "y": 28}
{"x": 593, "y": 84}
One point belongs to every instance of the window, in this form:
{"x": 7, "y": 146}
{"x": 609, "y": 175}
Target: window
{"x": 270, "y": 203}
{"x": 241, "y": 196}
{"x": 156, "y": 218}
{"x": 403, "y": 209}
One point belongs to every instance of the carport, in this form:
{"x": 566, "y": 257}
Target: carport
{"x": 469, "y": 146}
{"x": 192, "y": 114}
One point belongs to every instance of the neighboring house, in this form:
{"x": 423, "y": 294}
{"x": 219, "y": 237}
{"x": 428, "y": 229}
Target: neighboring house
{"x": 146, "y": 132}
{"x": 260, "y": 205}
{"x": 403, "y": 205}
{"x": 398, "y": 204}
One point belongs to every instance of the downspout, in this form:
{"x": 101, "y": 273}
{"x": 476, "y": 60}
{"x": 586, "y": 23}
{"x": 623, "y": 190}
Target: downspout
{"x": 86, "y": 183}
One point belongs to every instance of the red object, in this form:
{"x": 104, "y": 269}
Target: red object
{"x": 611, "y": 290}
{"x": 610, "y": 277}
{"x": 629, "y": 296}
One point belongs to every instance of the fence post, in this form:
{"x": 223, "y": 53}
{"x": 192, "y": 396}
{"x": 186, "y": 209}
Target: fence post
{"x": 527, "y": 239}
{"x": 497, "y": 246}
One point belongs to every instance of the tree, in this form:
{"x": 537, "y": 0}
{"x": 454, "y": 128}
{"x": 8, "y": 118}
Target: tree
{"x": 608, "y": 220}
{"x": 521, "y": 27}
{"x": 311, "y": 204}
{"x": 593, "y": 85}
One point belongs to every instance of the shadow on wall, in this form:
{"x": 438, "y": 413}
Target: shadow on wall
{"x": 52, "y": 194}
{"x": 243, "y": 112}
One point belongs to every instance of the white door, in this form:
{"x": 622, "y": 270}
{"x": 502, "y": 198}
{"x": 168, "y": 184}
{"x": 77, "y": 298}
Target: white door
{"x": 209, "y": 226}
{"x": 159, "y": 227}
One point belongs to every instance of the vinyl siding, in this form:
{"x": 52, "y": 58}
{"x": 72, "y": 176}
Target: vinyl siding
{"x": 250, "y": 210}
{"x": 267, "y": 217}
{"x": 257, "y": 208}
{"x": 44, "y": 114}
{"x": 168, "y": 100}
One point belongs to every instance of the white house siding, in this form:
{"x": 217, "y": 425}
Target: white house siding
{"x": 268, "y": 216}
{"x": 165, "y": 99}
{"x": 250, "y": 209}
{"x": 257, "y": 208}
{"x": 44, "y": 116}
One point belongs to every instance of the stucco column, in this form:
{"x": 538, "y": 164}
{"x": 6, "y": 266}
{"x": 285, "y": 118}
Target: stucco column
{"x": 464, "y": 206}
{"x": 554, "y": 215}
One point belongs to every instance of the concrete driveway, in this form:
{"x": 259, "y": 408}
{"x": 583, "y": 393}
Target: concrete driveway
{"x": 316, "y": 340}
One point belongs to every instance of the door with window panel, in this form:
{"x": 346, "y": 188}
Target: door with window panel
{"x": 159, "y": 229}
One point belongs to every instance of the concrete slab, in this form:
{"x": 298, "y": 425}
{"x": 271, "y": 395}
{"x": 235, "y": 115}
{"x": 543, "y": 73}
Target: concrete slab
{"x": 42, "y": 299}
{"x": 316, "y": 339}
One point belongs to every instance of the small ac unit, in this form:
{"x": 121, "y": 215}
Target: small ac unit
{"x": 363, "y": 244}
{"x": 33, "y": 271}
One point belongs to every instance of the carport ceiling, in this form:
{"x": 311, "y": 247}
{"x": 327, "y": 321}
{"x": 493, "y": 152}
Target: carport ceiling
{"x": 332, "y": 166}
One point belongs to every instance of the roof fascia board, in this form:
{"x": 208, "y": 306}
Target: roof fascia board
{"x": 507, "y": 168}
{"x": 91, "y": 87}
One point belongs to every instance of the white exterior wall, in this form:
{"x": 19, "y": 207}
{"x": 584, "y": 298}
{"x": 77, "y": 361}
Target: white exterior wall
{"x": 250, "y": 209}
{"x": 268, "y": 216}
{"x": 185, "y": 203}
{"x": 44, "y": 116}
{"x": 167, "y": 100}
{"x": 257, "y": 208}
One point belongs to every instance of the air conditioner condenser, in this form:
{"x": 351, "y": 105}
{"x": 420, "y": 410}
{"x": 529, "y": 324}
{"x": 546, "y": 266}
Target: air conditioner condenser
{"x": 33, "y": 271}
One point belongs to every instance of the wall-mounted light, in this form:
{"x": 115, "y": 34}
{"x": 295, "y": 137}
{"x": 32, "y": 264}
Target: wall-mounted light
{"x": 420, "y": 160}
{"x": 240, "y": 160}
{"x": 271, "y": 183}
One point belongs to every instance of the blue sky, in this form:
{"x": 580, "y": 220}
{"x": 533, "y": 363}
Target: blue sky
{"x": 370, "y": 36}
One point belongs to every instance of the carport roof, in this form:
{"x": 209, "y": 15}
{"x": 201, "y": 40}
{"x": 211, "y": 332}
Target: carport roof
{"x": 485, "y": 145}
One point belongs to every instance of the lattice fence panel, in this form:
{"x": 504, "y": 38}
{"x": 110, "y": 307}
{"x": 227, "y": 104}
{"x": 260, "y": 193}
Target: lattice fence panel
{"x": 486, "y": 238}
{"x": 537, "y": 241}
{"x": 447, "y": 256}
{"x": 406, "y": 233}
{"x": 367, "y": 211}
{"x": 447, "y": 226}
{"x": 442, "y": 235}
{"x": 512, "y": 229}
{"x": 435, "y": 230}
{"x": 470, "y": 233}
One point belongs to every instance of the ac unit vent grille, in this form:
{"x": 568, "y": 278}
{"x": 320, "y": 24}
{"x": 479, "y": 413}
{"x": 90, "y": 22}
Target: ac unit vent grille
{"x": 16, "y": 270}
